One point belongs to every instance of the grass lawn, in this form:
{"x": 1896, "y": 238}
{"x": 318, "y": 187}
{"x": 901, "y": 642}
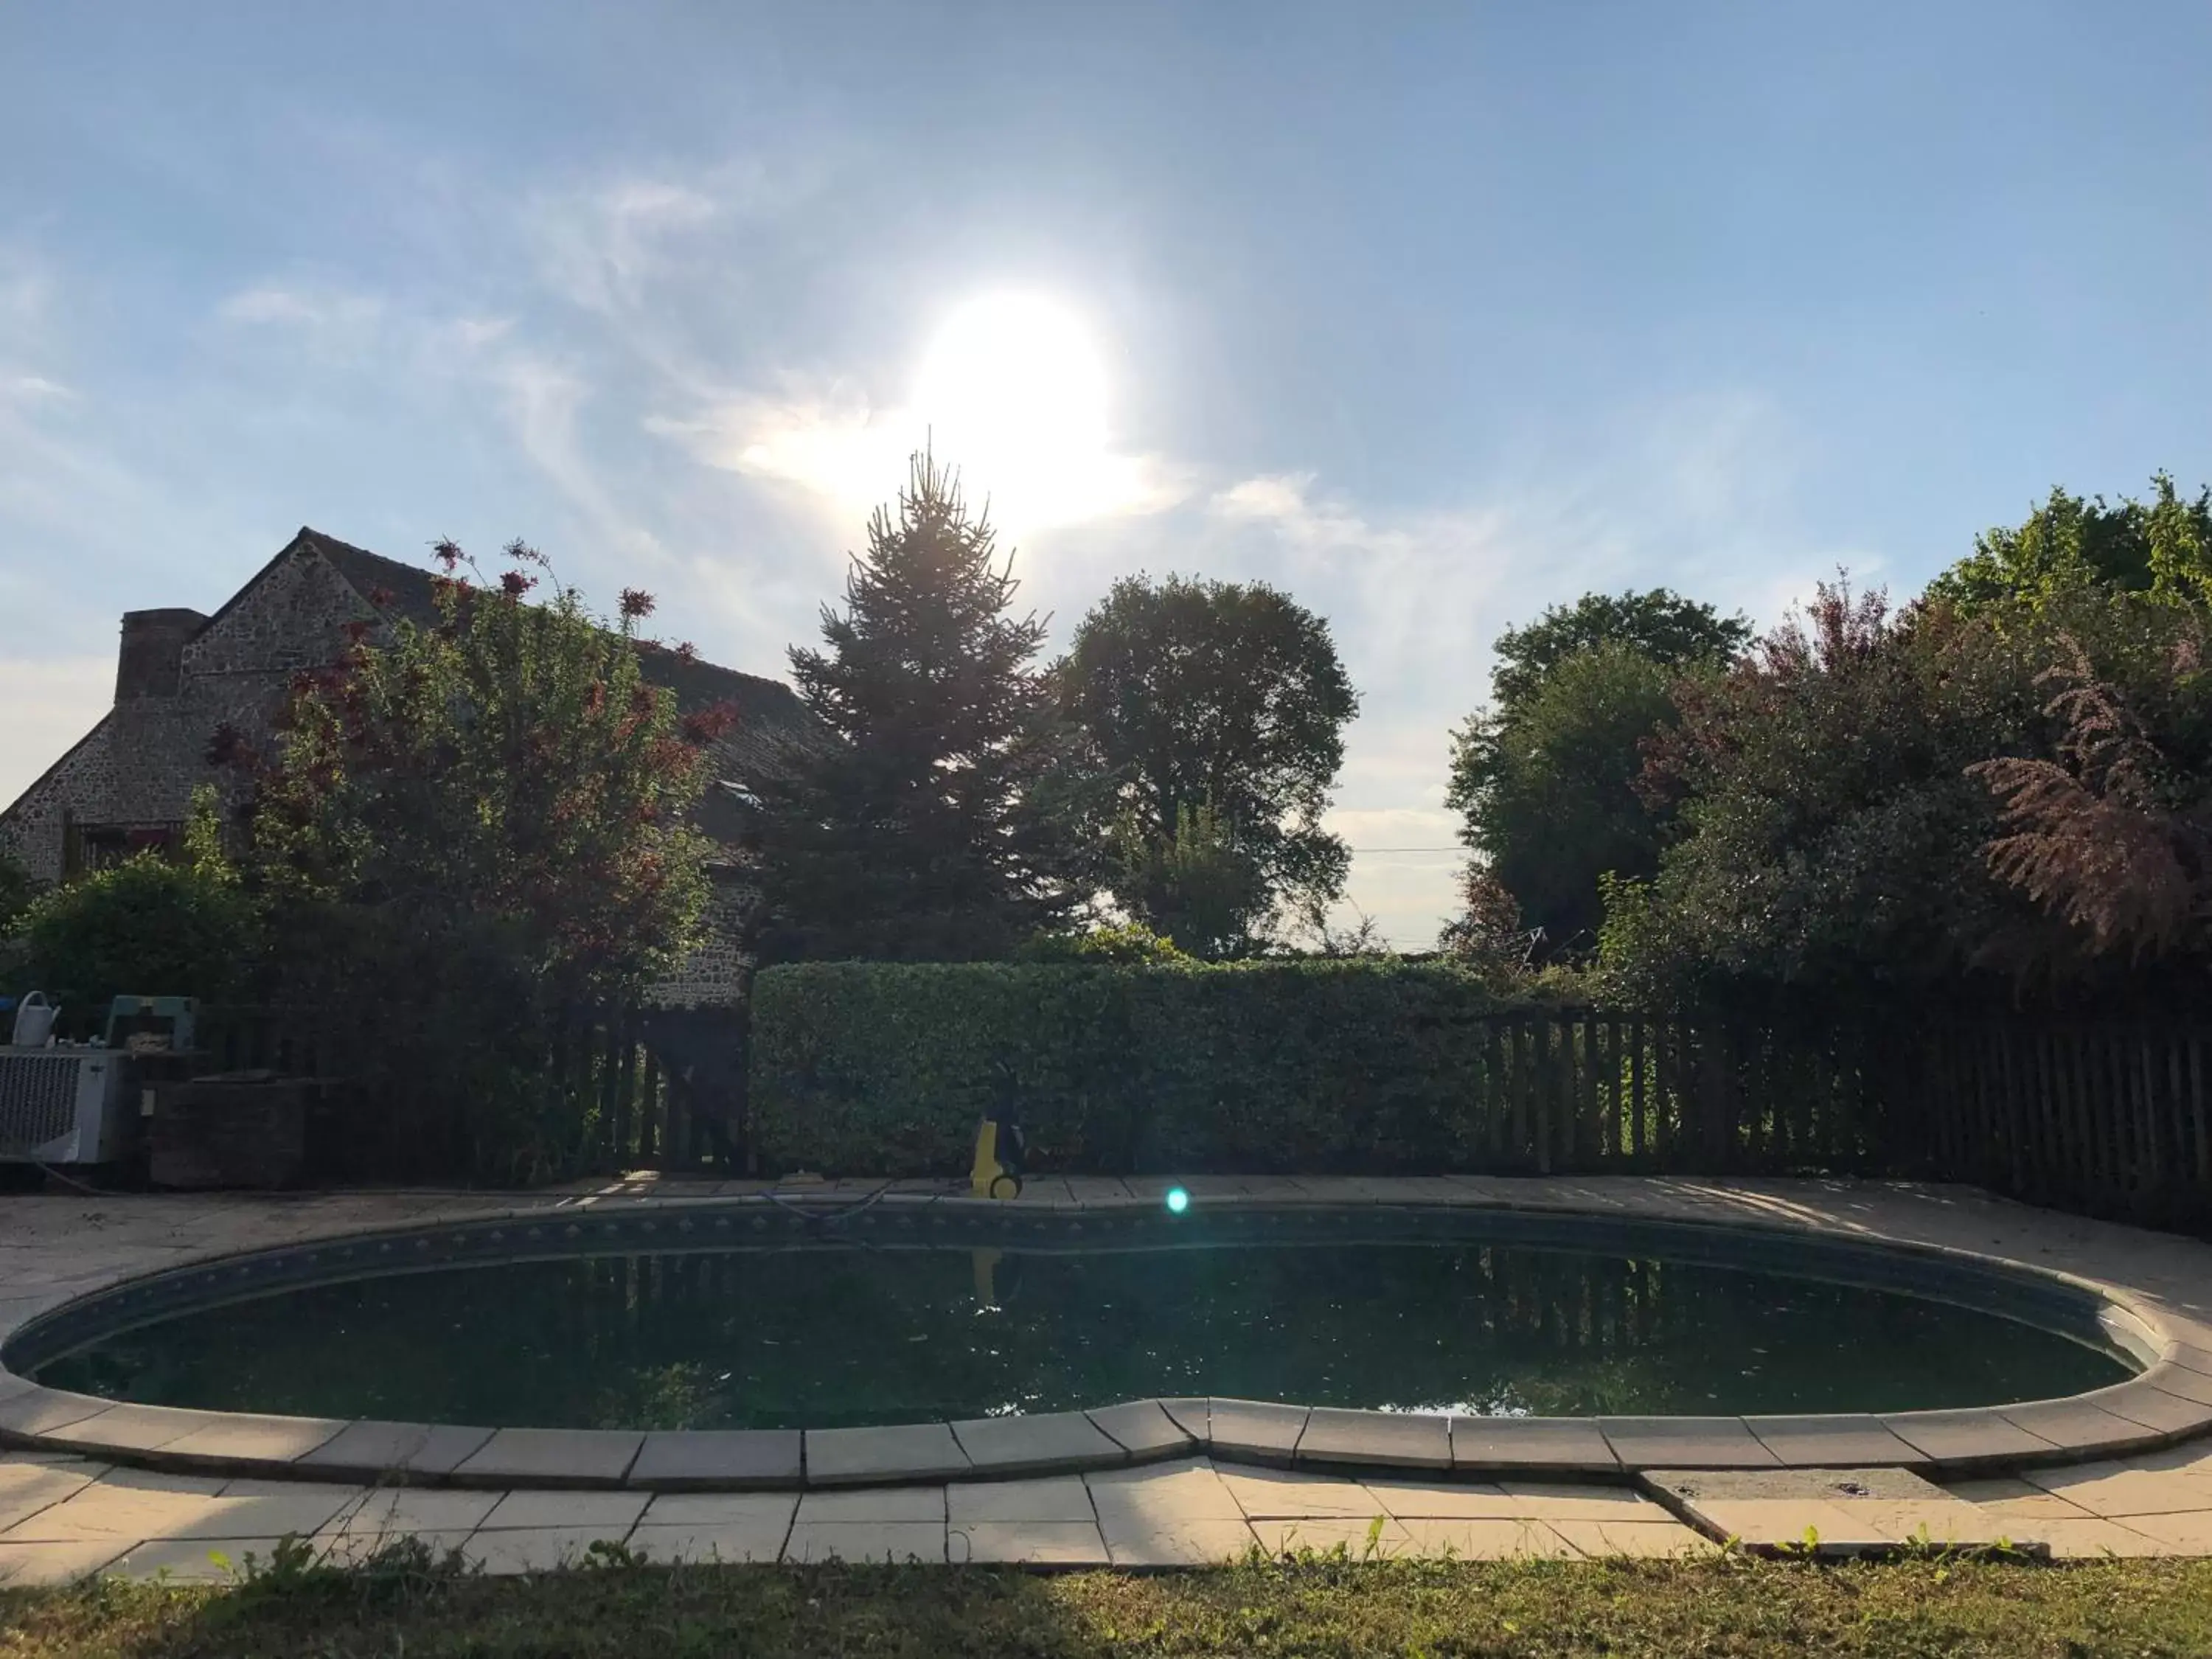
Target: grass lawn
{"x": 1732, "y": 1606}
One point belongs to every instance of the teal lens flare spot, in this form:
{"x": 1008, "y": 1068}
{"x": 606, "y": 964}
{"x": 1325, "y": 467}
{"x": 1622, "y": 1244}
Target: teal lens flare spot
{"x": 1178, "y": 1201}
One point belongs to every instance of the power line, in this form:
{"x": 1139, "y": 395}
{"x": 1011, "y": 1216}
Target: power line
{"x": 1406, "y": 849}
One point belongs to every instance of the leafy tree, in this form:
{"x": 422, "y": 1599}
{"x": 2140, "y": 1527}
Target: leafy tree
{"x": 1548, "y": 793}
{"x": 149, "y": 925}
{"x": 17, "y": 890}
{"x": 914, "y": 836}
{"x": 2162, "y": 546}
{"x": 1872, "y": 816}
{"x": 1201, "y": 885}
{"x": 508, "y": 770}
{"x": 467, "y": 828}
{"x": 1215, "y": 711}
{"x": 1669, "y": 630}
{"x": 1129, "y": 944}
{"x": 1545, "y": 777}
{"x": 2112, "y": 835}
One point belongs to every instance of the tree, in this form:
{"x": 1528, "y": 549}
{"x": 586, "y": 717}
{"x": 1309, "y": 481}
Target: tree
{"x": 149, "y": 925}
{"x": 2163, "y": 546}
{"x": 1199, "y": 886}
{"x": 913, "y": 835}
{"x": 466, "y": 829}
{"x": 1548, "y": 794}
{"x": 2113, "y": 834}
{"x": 1662, "y": 624}
{"x": 1544, "y": 778}
{"x": 509, "y": 769}
{"x": 1215, "y": 711}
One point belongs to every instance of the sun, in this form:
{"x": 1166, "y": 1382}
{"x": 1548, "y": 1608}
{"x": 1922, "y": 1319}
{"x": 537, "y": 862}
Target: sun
{"x": 1014, "y": 392}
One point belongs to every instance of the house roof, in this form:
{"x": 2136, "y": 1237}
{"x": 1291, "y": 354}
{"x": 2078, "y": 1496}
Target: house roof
{"x": 771, "y": 718}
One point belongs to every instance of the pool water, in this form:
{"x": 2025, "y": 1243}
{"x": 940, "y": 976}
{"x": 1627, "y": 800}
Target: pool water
{"x": 824, "y": 1334}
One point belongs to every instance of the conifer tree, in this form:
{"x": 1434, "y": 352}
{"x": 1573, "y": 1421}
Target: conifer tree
{"x": 911, "y": 834}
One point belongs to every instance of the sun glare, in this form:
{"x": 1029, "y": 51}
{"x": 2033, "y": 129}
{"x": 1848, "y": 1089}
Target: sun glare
{"x": 1014, "y": 393}
{"x": 1012, "y": 389}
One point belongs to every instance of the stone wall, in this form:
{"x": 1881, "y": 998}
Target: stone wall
{"x": 713, "y": 976}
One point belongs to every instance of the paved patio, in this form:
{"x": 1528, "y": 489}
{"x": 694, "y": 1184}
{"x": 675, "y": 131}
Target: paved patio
{"x": 61, "y": 1516}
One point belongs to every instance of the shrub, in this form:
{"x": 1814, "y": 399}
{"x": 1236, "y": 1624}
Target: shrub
{"x": 143, "y": 927}
{"x": 871, "y": 1068}
{"x": 464, "y": 833}
{"x": 1131, "y": 943}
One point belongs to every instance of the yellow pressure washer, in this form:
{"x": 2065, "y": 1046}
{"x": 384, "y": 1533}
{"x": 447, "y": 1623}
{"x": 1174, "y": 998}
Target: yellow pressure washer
{"x": 1000, "y": 1146}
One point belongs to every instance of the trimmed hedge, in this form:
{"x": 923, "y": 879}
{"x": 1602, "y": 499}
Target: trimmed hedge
{"x": 877, "y": 1069}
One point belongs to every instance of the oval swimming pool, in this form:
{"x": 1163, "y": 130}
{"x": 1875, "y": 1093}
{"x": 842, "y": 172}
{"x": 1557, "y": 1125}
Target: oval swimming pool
{"x": 781, "y": 1321}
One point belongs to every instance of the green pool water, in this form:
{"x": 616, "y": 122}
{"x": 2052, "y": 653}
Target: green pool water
{"x": 825, "y": 1336}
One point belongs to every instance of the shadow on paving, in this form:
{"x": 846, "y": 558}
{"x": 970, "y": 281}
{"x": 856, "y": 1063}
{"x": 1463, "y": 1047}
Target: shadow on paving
{"x": 1956, "y": 1607}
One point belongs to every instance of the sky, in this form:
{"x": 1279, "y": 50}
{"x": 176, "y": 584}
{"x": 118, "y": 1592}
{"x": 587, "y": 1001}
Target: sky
{"x": 1432, "y": 316}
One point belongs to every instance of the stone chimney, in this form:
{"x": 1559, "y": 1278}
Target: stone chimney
{"x": 152, "y": 651}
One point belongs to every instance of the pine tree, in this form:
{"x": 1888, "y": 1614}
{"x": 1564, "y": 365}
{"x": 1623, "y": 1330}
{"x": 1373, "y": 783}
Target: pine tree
{"x": 911, "y": 836}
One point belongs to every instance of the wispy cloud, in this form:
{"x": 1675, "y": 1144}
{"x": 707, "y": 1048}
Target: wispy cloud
{"x": 846, "y": 454}
{"x": 308, "y": 309}
{"x": 602, "y": 247}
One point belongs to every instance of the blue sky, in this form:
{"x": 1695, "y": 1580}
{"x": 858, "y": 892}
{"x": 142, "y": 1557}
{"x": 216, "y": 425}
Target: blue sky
{"x": 1431, "y": 315}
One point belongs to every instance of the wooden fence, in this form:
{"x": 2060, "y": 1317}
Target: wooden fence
{"x": 617, "y": 1108}
{"x": 1590, "y": 1090}
{"x": 2108, "y": 1119}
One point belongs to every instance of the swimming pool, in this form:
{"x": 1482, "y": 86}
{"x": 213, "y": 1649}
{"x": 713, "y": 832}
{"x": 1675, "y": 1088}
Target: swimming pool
{"x": 774, "y": 1317}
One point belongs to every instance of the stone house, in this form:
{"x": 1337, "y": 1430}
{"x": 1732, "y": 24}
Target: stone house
{"x": 127, "y": 784}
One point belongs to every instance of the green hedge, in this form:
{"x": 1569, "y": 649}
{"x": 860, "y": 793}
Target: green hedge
{"x": 871, "y": 1068}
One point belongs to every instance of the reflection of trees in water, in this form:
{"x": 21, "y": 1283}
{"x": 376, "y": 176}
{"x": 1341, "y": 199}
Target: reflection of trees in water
{"x": 826, "y": 1337}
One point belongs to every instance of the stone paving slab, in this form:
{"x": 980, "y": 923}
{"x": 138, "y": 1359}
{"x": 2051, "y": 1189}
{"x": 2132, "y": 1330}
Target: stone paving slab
{"x": 860, "y": 1458}
{"x": 1283, "y": 1495}
{"x": 1831, "y": 1512}
{"x": 1061, "y": 1499}
{"x": 2083, "y": 1430}
{"x": 1144, "y": 1429}
{"x": 746, "y": 1539}
{"x": 131, "y": 1428}
{"x": 27, "y": 1489}
{"x": 1491, "y": 1539}
{"x": 1685, "y": 1442}
{"x": 23, "y": 1566}
{"x": 246, "y": 1442}
{"x": 1158, "y": 1516}
{"x": 1376, "y": 1538}
{"x": 1964, "y": 1440}
{"x": 1026, "y": 1444}
{"x": 567, "y": 1457}
{"x": 1559, "y": 1445}
{"x": 384, "y": 1451}
{"x": 194, "y": 1561}
{"x": 1374, "y": 1440}
{"x": 1254, "y": 1431}
{"x": 534, "y": 1549}
{"x": 612, "y": 1513}
{"x": 407, "y": 1509}
{"x": 724, "y": 1460}
{"x": 1138, "y": 1544}
{"x": 866, "y": 1541}
{"x": 1028, "y": 1543}
{"x": 1833, "y": 1442}
{"x": 899, "y": 1504}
